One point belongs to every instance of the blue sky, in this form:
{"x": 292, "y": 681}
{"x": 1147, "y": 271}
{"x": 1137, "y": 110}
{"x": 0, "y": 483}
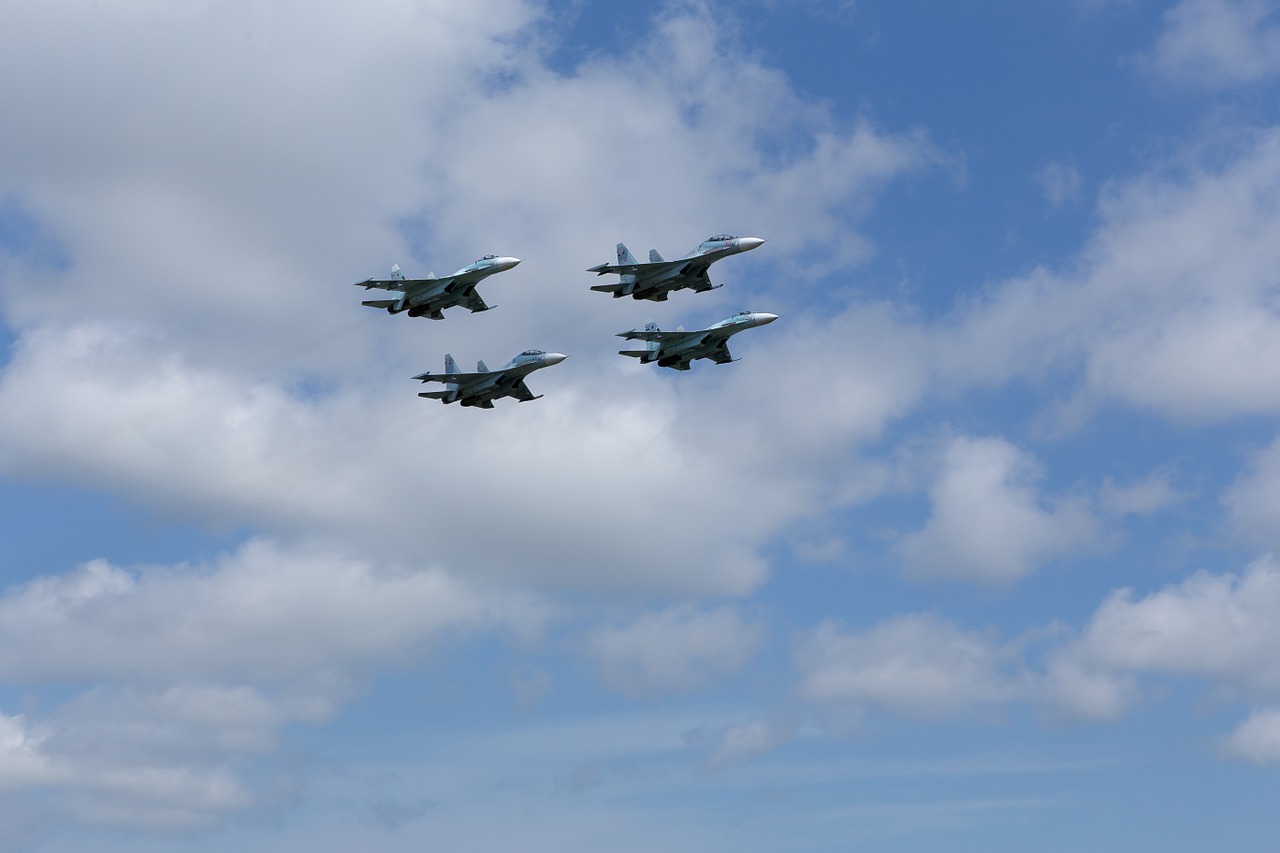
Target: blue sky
{"x": 971, "y": 549}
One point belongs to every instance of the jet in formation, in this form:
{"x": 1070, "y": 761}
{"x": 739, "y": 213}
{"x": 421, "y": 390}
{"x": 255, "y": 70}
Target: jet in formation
{"x": 430, "y": 296}
{"x": 656, "y": 279}
{"x": 484, "y": 386}
{"x": 677, "y": 349}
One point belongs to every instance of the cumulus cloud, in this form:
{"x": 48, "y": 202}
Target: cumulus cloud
{"x": 212, "y": 341}
{"x": 380, "y": 468}
{"x": 918, "y": 665}
{"x": 1253, "y": 499}
{"x": 178, "y": 673}
{"x": 1220, "y": 627}
{"x": 678, "y": 648}
{"x": 988, "y": 521}
{"x": 1170, "y": 306}
{"x": 1218, "y": 43}
{"x": 264, "y": 612}
{"x": 1257, "y": 739}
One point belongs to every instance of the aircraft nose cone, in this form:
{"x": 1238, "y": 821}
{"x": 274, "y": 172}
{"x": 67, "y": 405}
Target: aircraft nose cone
{"x": 763, "y": 319}
{"x": 552, "y": 358}
{"x": 507, "y": 263}
{"x": 746, "y": 244}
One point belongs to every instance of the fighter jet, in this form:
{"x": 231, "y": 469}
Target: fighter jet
{"x": 676, "y": 349}
{"x": 431, "y": 295}
{"x": 484, "y": 386}
{"x": 658, "y": 278}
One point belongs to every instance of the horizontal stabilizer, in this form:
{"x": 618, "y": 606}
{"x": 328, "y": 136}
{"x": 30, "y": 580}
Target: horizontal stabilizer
{"x": 434, "y": 395}
{"x": 380, "y": 303}
{"x": 635, "y": 353}
{"x": 607, "y": 288}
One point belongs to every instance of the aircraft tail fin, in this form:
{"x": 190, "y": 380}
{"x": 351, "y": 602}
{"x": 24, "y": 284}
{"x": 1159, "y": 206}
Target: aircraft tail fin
{"x": 480, "y": 368}
{"x": 624, "y": 255}
{"x": 395, "y": 272}
{"x": 450, "y": 366}
{"x": 654, "y": 257}
{"x": 651, "y": 346}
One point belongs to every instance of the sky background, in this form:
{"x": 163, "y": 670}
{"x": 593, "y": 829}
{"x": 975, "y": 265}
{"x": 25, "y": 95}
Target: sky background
{"x": 971, "y": 550}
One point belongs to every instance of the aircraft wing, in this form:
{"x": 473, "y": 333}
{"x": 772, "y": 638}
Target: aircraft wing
{"x": 405, "y": 284}
{"x": 666, "y": 338}
{"x": 522, "y": 393}
{"x": 474, "y": 303}
{"x": 455, "y": 378}
{"x": 640, "y": 270}
{"x": 721, "y": 355}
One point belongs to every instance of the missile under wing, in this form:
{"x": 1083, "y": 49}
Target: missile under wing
{"x": 658, "y": 278}
{"x": 484, "y": 386}
{"x": 677, "y": 349}
{"x": 430, "y": 296}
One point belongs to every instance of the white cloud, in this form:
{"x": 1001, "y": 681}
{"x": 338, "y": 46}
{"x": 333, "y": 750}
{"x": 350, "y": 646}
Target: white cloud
{"x": 1257, "y": 739}
{"x": 1170, "y": 306}
{"x": 293, "y": 159}
{"x": 263, "y": 613}
{"x": 988, "y": 521}
{"x": 678, "y": 648}
{"x": 918, "y": 666}
{"x": 164, "y": 795}
{"x": 178, "y": 675}
{"x": 204, "y": 350}
{"x": 1253, "y": 499}
{"x": 1076, "y": 688}
{"x": 1218, "y": 43}
{"x": 224, "y": 140}
{"x": 1221, "y": 627}
{"x": 580, "y": 480}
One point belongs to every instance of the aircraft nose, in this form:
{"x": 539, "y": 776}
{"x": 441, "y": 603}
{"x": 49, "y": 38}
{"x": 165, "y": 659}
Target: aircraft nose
{"x": 506, "y": 263}
{"x": 552, "y": 358}
{"x": 746, "y": 244}
{"x": 763, "y": 319}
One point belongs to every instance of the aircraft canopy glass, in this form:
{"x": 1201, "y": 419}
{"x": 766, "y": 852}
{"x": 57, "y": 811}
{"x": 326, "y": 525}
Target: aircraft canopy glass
{"x": 534, "y": 352}
{"x": 488, "y": 257}
{"x": 720, "y": 238}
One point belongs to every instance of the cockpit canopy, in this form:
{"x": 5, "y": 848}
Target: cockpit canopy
{"x": 488, "y": 257}
{"x": 533, "y": 352}
{"x": 743, "y": 313}
{"x": 721, "y": 238}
